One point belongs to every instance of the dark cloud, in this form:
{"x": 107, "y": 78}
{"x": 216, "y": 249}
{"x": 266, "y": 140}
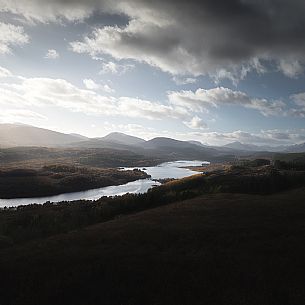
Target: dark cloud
{"x": 217, "y": 37}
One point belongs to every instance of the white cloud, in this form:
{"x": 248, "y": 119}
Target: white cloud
{"x": 299, "y": 99}
{"x": 92, "y": 85}
{"x": 183, "y": 106}
{"x": 4, "y": 72}
{"x": 236, "y": 73}
{"x": 291, "y": 67}
{"x": 196, "y": 123}
{"x": 115, "y": 68}
{"x": 184, "y": 80}
{"x": 11, "y": 35}
{"x": 107, "y": 89}
{"x": 18, "y": 115}
{"x": 41, "y": 92}
{"x": 52, "y": 54}
{"x": 135, "y": 107}
{"x": 202, "y": 99}
{"x": 35, "y": 11}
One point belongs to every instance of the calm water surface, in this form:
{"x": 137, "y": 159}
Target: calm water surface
{"x": 162, "y": 171}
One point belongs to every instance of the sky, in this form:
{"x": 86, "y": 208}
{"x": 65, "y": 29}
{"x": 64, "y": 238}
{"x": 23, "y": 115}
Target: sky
{"x": 216, "y": 71}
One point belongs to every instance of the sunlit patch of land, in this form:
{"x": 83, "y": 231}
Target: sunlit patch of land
{"x": 213, "y": 167}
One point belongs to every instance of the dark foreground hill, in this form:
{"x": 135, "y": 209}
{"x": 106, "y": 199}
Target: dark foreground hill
{"x": 215, "y": 249}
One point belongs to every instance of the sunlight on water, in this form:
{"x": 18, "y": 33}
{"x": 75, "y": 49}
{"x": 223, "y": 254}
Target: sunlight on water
{"x": 165, "y": 170}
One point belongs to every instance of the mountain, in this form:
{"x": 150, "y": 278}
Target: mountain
{"x": 12, "y": 135}
{"x": 176, "y": 148}
{"x": 298, "y": 148}
{"x": 251, "y": 147}
{"x": 121, "y": 138}
{"x": 79, "y": 136}
{"x": 162, "y": 142}
{"x": 114, "y": 140}
{"x": 198, "y": 143}
{"x": 240, "y": 146}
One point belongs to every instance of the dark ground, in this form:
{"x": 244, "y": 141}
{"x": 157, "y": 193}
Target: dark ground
{"x": 214, "y": 249}
{"x": 58, "y": 179}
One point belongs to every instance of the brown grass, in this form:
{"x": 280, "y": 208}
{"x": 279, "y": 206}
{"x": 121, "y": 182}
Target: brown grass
{"x": 217, "y": 249}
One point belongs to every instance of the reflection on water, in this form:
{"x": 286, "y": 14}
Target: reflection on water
{"x": 172, "y": 169}
{"x": 162, "y": 171}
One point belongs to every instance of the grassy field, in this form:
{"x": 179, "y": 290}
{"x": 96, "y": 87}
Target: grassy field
{"x": 213, "y": 249}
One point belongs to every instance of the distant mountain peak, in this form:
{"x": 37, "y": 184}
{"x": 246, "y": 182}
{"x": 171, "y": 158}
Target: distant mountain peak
{"x": 79, "y": 136}
{"x": 252, "y": 147}
{"x": 297, "y": 148}
{"x": 26, "y": 135}
{"x": 122, "y": 138}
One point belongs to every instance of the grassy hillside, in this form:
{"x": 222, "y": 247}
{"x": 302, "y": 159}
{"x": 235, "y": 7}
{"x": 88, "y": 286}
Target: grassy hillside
{"x": 216, "y": 249}
{"x": 12, "y": 135}
{"x": 197, "y": 240}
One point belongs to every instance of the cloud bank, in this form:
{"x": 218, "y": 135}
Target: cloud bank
{"x": 220, "y": 38}
{"x": 11, "y": 35}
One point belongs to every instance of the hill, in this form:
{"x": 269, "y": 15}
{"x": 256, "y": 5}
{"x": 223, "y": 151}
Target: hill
{"x": 299, "y": 148}
{"x": 216, "y": 249}
{"x": 121, "y": 138}
{"x": 167, "y": 149}
{"x": 254, "y": 148}
{"x": 179, "y": 149}
{"x": 12, "y": 135}
{"x": 114, "y": 140}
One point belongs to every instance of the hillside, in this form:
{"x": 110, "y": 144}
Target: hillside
{"x": 24, "y": 135}
{"x": 299, "y": 148}
{"x": 121, "y": 138}
{"x": 255, "y": 148}
{"x": 216, "y": 249}
{"x": 168, "y": 149}
{"x": 180, "y": 149}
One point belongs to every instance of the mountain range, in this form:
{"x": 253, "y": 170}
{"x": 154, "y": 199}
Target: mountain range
{"x": 251, "y": 147}
{"x": 13, "y": 135}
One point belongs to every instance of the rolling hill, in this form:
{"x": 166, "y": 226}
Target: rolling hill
{"x": 299, "y": 148}
{"x": 254, "y": 148}
{"x": 121, "y": 138}
{"x": 12, "y": 135}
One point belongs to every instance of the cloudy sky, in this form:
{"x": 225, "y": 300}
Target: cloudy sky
{"x": 216, "y": 71}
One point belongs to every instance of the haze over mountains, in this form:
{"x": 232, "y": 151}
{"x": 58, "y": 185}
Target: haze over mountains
{"x": 13, "y": 135}
{"x": 251, "y": 147}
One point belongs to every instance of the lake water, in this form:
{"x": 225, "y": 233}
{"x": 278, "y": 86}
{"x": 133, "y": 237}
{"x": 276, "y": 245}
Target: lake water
{"x": 162, "y": 171}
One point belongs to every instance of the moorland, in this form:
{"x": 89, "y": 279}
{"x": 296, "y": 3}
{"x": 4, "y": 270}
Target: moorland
{"x": 230, "y": 237}
{"x": 231, "y": 234}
